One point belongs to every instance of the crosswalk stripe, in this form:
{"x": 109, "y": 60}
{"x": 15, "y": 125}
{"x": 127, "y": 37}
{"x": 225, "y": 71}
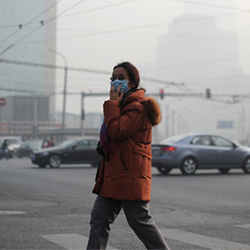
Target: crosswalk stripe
{"x": 246, "y": 226}
{"x": 70, "y": 241}
{"x": 78, "y": 242}
{"x": 203, "y": 241}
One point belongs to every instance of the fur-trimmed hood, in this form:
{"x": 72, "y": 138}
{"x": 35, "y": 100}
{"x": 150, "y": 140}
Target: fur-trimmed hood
{"x": 153, "y": 110}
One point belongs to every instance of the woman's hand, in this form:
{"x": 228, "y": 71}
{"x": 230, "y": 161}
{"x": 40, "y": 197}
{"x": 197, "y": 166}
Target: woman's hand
{"x": 115, "y": 95}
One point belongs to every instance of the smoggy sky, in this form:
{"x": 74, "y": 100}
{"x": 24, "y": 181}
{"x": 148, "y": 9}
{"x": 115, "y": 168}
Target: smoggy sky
{"x": 98, "y": 34}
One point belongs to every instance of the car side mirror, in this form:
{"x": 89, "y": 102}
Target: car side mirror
{"x": 234, "y": 146}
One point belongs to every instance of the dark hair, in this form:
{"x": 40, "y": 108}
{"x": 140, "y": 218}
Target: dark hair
{"x": 132, "y": 71}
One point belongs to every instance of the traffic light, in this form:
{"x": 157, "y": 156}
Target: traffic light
{"x": 208, "y": 93}
{"x": 162, "y": 94}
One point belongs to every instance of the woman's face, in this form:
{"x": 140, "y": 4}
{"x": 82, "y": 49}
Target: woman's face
{"x": 121, "y": 74}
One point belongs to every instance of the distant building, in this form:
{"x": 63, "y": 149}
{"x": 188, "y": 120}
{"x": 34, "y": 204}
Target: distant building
{"x": 25, "y": 108}
{"x": 197, "y": 52}
{"x": 34, "y": 48}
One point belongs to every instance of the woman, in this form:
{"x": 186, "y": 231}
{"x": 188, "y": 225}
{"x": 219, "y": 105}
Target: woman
{"x": 123, "y": 180}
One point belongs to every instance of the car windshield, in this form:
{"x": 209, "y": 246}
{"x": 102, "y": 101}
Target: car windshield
{"x": 173, "y": 139}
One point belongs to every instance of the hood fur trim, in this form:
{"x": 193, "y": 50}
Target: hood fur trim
{"x": 153, "y": 110}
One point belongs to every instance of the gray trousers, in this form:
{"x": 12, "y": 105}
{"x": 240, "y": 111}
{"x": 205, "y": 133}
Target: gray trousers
{"x": 139, "y": 219}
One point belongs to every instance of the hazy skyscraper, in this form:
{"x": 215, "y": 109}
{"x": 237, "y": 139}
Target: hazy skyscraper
{"x": 28, "y": 19}
{"x": 198, "y": 52}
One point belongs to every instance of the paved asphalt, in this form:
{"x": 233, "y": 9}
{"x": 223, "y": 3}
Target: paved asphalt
{"x": 49, "y": 209}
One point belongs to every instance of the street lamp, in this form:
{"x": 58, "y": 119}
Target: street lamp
{"x": 64, "y": 88}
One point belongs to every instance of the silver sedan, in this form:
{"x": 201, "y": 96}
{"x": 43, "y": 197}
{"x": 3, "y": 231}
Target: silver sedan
{"x": 200, "y": 151}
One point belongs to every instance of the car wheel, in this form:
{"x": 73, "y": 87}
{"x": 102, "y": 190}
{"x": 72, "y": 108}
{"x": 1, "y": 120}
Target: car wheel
{"x": 42, "y": 165}
{"x": 54, "y": 161}
{"x": 189, "y": 166}
{"x": 163, "y": 170}
{"x": 224, "y": 170}
{"x": 246, "y": 166}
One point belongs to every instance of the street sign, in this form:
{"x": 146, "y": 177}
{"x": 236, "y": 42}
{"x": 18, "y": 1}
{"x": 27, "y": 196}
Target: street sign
{"x": 2, "y": 101}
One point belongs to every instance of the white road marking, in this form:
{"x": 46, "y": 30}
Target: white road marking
{"x": 70, "y": 241}
{"x": 203, "y": 241}
{"x": 78, "y": 242}
{"x": 6, "y": 212}
{"x": 246, "y": 226}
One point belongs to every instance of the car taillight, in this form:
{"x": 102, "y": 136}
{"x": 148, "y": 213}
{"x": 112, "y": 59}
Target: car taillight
{"x": 168, "y": 149}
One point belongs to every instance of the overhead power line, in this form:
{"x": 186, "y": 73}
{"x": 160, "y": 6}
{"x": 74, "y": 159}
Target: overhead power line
{"x": 211, "y": 5}
{"x": 125, "y": 2}
{"x": 64, "y": 11}
{"x": 42, "y": 24}
{"x": 22, "y": 91}
{"x": 100, "y": 8}
{"x": 202, "y": 4}
{"x": 75, "y": 13}
{"x": 20, "y": 26}
{"x": 86, "y": 70}
{"x": 9, "y": 36}
{"x": 105, "y": 32}
{"x": 155, "y": 94}
{"x": 43, "y": 12}
{"x": 52, "y": 66}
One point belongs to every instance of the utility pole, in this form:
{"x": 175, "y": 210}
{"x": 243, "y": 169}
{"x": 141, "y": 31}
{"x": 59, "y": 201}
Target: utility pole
{"x": 243, "y": 124}
{"x": 65, "y": 68}
{"x": 167, "y": 118}
{"x": 173, "y": 122}
{"x": 82, "y": 114}
{"x": 64, "y": 100}
{"x": 35, "y": 117}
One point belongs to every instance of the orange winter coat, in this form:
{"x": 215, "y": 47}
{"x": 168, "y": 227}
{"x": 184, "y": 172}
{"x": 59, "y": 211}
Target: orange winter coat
{"x": 126, "y": 174}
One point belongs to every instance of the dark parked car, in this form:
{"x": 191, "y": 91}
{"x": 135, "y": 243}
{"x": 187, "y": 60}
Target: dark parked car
{"x": 78, "y": 151}
{"x": 200, "y": 151}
